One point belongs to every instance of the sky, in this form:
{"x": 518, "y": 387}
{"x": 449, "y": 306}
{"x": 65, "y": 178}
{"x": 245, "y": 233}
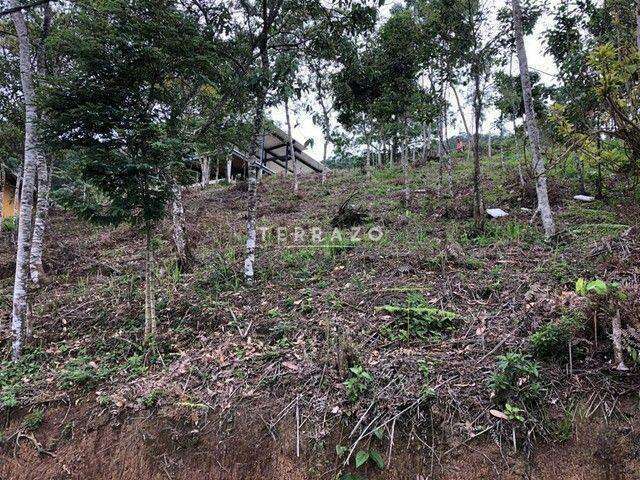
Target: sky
{"x": 304, "y": 129}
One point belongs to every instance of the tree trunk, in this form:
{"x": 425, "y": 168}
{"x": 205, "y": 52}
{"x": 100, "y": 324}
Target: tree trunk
{"x": 405, "y": 172}
{"x": 19, "y": 309}
{"x": 580, "y": 165}
{"x": 228, "y": 170}
{"x": 205, "y": 170}
{"x": 532, "y": 126}
{"x": 16, "y": 202}
{"x": 324, "y": 160}
{"x": 638, "y": 24}
{"x": 149, "y": 289}
{"x": 44, "y": 172}
{"x": 478, "y": 213}
{"x": 252, "y": 183}
{"x": 2, "y": 182}
{"x": 367, "y": 161}
{"x": 291, "y": 147}
{"x": 180, "y": 239}
{"x": 39, "y": 225}
{"x": 489, "y": 151}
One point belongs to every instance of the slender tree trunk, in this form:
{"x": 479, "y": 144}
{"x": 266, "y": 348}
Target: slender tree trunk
{"x": 638, "y": 24}
{"x": 405, "y": 172}
{"x": 19, "y": 310}
{"x": 180, "y": 239}
{"x": 324, "y": 160}
{"x": 149, "y": 289}
{"x": 580, "y": 165}
{"x": 39, "y": 226}
{"x": 489, "y": 151}
{"x": 532, "y": 126}
{"x": 478, "y": 209}
{"x": 205, "y": 170}
{"x": 367, "y": 161}
{"x": 217, "y": 169}
{"x": 228, "y": 170}
{"x": 2, "y": 183}
{"x": 16, "y": 202}
{"x": 292, "y": 151}
{"x": 44, "y": 172}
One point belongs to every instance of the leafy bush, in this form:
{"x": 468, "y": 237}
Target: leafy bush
{"x": 551, "y": 341}
{"x": 516, "y": 379}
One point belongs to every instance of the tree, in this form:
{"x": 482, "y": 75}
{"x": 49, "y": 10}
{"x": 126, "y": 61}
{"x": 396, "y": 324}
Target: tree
{"x": 118, "y": 109}
{"x": 532, "y": 125}
{"x": 31, "y": 152}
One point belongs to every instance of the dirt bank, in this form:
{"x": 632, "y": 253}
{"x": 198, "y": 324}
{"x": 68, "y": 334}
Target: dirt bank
{"x": 79, "y": 443}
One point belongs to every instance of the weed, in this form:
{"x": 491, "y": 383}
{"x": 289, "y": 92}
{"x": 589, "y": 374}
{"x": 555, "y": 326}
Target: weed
{"x": 33, "y": 421}
{"x": 358, "y": 383}
{"x": 152, "y": 398}
{"x": 417, "y": 319}
{"x": 516, "y": 379}
{"x": 551, "y": 341}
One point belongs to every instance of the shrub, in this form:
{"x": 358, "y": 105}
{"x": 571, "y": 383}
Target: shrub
{"x": 417, "y": 319}
{"x": 551, "y": 341}
{"x": 516, "y": 379}
{"x": 358, "y": 383}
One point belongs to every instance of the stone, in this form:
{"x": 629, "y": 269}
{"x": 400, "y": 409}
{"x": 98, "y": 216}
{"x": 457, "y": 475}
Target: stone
{"x": 584, "y": 198}
{"x": 496, "y": 212}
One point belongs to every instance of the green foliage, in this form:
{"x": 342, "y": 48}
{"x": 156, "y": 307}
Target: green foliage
{"x": 551, "y": 340}
{"x": 358, "y": 382}
{"x": 33, "y": 421}
{"x": 14, "y": 374}
{"x": 597, "y": 287}
{"x": 9, "y": 224}
{"x": 364, "y": 456}
{"x": 416, "y": 319}
{"x": 514, "y": 413}
{"x": 151, "y": 399}
{"x": 515, "y": 379}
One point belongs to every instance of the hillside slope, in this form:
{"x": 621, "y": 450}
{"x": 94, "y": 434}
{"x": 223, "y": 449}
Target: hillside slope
{"x": 381, "y": 350}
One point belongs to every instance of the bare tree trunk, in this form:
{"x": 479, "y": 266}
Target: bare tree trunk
{"x": 292, "y": 151}
{"x": 404, "y": 156}
{"x": 217, "y": 168}
{"x": 228, "y": 170}
{"x": 616, "y": 337}
{"x": 367, "y": 161}
{"x": 39, "y": 226}
{"x": 205, "y": 170}
{"x": 324, "y": 160}
{"x": 16, "y": 202}
{"x": 2, "y": 183}
{"x": 532, "y": 126}
{"x": 252, "y": 202}
{"x": 180, "y": 239}
{"x": 478, "y": 208}
{"x": 149, "y": 289}
{"x": 489, "y": 151}
{"x": 44, "y": 172}
{"x": 638, "y": 24}
{"x": 19, "y": 310}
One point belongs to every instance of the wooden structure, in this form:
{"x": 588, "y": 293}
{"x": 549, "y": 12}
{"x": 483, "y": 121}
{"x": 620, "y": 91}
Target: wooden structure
{"x": 274, "y": 158}
{"x": 8, "y": 195}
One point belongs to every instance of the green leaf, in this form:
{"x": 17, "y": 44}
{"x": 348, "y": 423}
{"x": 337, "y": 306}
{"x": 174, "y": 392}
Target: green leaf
{"x": 361, "y": 458}
{"x": 598, "y": 286}
{"x": 581, "y": 286}
{"x": 378, "y": 433}
{"x": 377, "y": 458}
